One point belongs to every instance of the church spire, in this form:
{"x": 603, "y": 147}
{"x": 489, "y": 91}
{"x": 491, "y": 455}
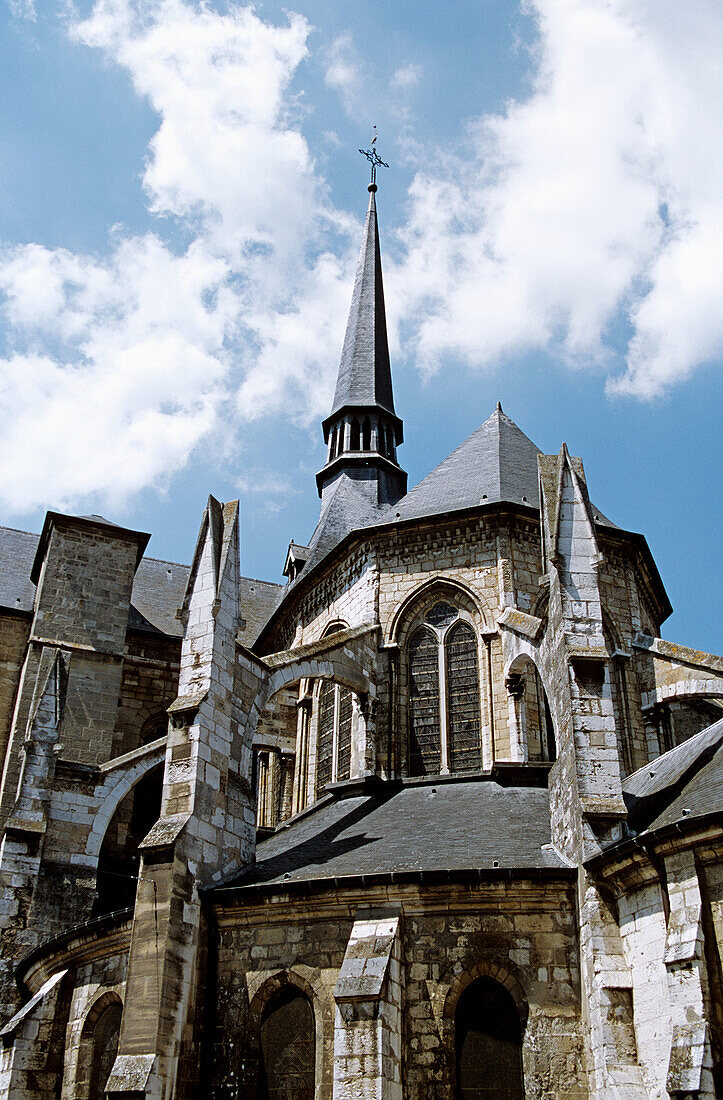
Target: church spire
{"x": 363, "y": 431}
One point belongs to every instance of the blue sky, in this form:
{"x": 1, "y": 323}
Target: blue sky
{"x": 182, "y": 199}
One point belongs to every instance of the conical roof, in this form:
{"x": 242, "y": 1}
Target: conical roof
{"x": 365, "y": 377}
{"x": 496, "y": 463}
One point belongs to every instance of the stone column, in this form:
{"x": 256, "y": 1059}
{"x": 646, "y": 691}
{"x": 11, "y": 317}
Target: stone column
{"x": 364, "y": 744}
{"x": 613, "y": 1068}
{"x": 586, "y": 801}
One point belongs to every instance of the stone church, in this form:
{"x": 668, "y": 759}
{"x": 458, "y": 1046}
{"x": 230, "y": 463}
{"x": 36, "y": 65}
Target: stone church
{"x": 440, "y": 816}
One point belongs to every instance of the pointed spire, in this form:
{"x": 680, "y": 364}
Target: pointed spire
{"x": 362, "y": 429}
{"x": 365, "y": 376}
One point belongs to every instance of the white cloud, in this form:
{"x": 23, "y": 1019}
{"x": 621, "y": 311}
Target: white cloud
{"x": 121, "y": 372}
{"x": 407, "y": 76}
{"x": 23, "y": 9}
{"x": 599, "y": 192}
{"x": 548, "y": 222}
{"x": 121, "y": 366}
{"x": 344, "y": 73}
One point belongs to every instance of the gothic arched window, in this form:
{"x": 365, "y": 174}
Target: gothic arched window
{"x": 354, "y": 435}
{"x": 445, "y": 729}
{"x": 366, "y": 434}
{"x": 488, "y": 1043}
{"x": 288, "y": 1051}
{"x": 154, "y": 728}
{"x": 333, "y": 743}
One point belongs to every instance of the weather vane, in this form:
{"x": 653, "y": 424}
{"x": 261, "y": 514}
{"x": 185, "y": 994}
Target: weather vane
{"x": 374, "y": 159}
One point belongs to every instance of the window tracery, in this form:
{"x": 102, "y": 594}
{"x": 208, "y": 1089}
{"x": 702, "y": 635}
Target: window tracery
{"x": 334, "y": 737}
{"x": 445, "y": 729}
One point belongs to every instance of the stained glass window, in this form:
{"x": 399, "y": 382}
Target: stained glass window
{"x": 463, "y": 700}
{"x": 325, "y": 742}
{"x": 425, "y": 735}
{"x": 343, "y": 764}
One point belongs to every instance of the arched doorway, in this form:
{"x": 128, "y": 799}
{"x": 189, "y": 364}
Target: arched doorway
{"x": 488, "y": 1043}
{"x": 286, "y": 1070}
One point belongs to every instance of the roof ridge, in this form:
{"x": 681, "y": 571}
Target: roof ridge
{"x": 20, "y": 531}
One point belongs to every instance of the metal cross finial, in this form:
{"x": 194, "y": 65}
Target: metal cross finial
{"x": 374, "y": 159}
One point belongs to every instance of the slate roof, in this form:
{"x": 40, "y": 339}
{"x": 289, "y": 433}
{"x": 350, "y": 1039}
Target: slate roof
{"x": 447, "y": 826}
{"x": 158, "y": 589}
{"x": 496, "y": 463}
{"x": 259, "y": 599}
{"x": 17, "y": 554}
{"x": 345, "y": 510}
{"x": 365, "y": 376}
{"x": 682, "y": 784}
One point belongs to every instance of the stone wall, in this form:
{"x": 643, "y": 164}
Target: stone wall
{"x": 521, "y": 933}
{"x": 496, "y": 560}
{"x": 149, "y": 685}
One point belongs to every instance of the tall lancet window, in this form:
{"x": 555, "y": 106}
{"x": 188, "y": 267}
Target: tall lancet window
{"x": 444, "y": 706}
{"x": 463, "y": 698}
{"x": 333, "y": 753}
{"x": 425, "y": 726}
{"x": 335, "y": 715}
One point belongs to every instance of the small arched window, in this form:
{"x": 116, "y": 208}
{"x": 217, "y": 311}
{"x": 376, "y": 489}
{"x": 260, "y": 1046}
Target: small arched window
{"x": 155, "y": 727}
{"x": 445, "y": 726}
{"x": 488, "y": 1043}
{"x": 325, "y": 739}
{"x": 366, "y": 434}
{"x": 105, "y": 1048}
{"x": 118, "y": 859}
{"x": 354, "y": 435}
{"x": 288, "y": 1051}
{"x": 531, "y": 715}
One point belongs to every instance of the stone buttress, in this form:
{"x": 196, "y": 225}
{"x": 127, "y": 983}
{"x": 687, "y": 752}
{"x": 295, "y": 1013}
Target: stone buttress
{"x": 206, "y": 827}
{"x": 586, "y": 799}
{"x": 66, "y": 708}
